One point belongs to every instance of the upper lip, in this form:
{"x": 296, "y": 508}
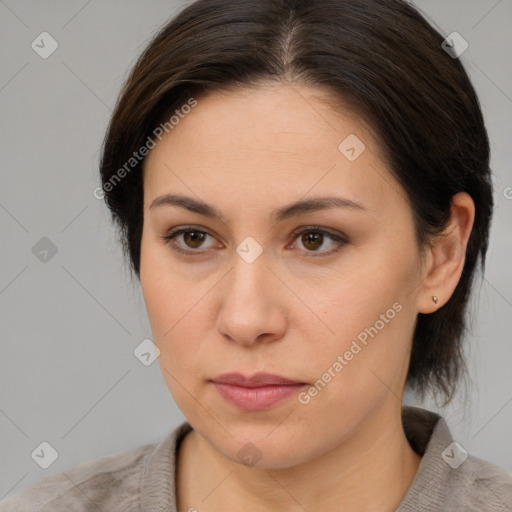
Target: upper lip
{"x": 256, "y": 380}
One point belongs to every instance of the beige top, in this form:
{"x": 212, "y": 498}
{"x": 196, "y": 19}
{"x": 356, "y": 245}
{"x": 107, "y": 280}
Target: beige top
{"x": 143, "y": 479}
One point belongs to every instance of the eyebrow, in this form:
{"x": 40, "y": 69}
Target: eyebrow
{"x": 301, "y": 206}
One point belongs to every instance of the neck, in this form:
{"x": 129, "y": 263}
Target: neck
{"x": 369, "y": 472}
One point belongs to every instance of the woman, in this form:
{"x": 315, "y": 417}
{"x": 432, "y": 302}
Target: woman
{"x": 303, "y": 190}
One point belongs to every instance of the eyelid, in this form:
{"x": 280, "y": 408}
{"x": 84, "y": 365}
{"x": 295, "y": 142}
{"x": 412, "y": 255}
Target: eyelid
{"x": 327, "y": 231}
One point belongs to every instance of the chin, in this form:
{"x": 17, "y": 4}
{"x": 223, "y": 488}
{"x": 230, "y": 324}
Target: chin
{"x": 262, "y": 446}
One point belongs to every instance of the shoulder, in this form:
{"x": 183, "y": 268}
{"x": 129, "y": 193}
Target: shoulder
{"x": 478, "y": 485}
{"x": 449, "y": 478}
{"x": 108, "y": 483}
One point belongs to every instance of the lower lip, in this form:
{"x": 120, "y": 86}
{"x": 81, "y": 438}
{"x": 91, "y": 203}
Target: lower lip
{"x": 256, "y": 399}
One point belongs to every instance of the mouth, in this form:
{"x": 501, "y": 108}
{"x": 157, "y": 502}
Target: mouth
{"x": 258, "y": 392}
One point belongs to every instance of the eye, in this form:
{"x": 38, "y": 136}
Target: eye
{"x": 313, "y": 238}
{"x": 193, "y": 239}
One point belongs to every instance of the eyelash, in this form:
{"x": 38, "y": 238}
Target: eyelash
{"x": 173, "y": 233}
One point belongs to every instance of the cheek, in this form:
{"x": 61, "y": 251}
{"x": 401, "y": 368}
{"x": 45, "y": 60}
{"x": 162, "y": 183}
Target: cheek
{"x": 174, "y": 306}
{"x": 365, "y": 352}
{"x": 164, "y": 291}
{"x": 356, "y": 375}
{"x": 171, "y": 313}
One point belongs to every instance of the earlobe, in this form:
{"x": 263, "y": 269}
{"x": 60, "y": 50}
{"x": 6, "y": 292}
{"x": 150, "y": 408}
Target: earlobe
{"x": 447, "y": 256}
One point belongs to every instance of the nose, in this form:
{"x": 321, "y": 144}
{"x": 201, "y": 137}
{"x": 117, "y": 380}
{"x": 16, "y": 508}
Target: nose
{"x": 252, "y": 304}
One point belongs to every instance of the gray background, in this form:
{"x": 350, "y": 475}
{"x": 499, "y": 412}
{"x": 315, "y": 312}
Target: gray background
{"x": 68, "y": 374}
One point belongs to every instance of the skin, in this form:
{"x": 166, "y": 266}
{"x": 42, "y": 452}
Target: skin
{"x": 289, "y": 312}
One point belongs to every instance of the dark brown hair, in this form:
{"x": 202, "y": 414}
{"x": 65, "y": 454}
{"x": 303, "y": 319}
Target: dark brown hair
{"x": 380, "y": 57}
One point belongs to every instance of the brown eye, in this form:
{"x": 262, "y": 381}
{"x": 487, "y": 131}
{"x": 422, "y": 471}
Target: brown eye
{"x": 193, "y": 239}
{"x": 314, "y": 238}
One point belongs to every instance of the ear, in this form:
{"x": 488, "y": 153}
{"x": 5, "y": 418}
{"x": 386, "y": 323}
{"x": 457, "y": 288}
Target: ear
{"x": 446, "y": 256}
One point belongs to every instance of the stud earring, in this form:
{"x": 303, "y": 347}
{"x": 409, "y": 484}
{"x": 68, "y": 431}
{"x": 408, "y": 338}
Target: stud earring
{"x": 435, "y": 299}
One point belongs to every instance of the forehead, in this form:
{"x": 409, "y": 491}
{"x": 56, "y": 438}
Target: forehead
{"x": 266, "y": 145}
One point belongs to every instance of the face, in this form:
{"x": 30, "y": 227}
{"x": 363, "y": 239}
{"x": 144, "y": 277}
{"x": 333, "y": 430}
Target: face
{"x": 324, "y": 297}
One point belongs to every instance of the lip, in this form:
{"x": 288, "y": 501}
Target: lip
{"x": 255, "y": 393}
{"x": 256, "y": 380}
